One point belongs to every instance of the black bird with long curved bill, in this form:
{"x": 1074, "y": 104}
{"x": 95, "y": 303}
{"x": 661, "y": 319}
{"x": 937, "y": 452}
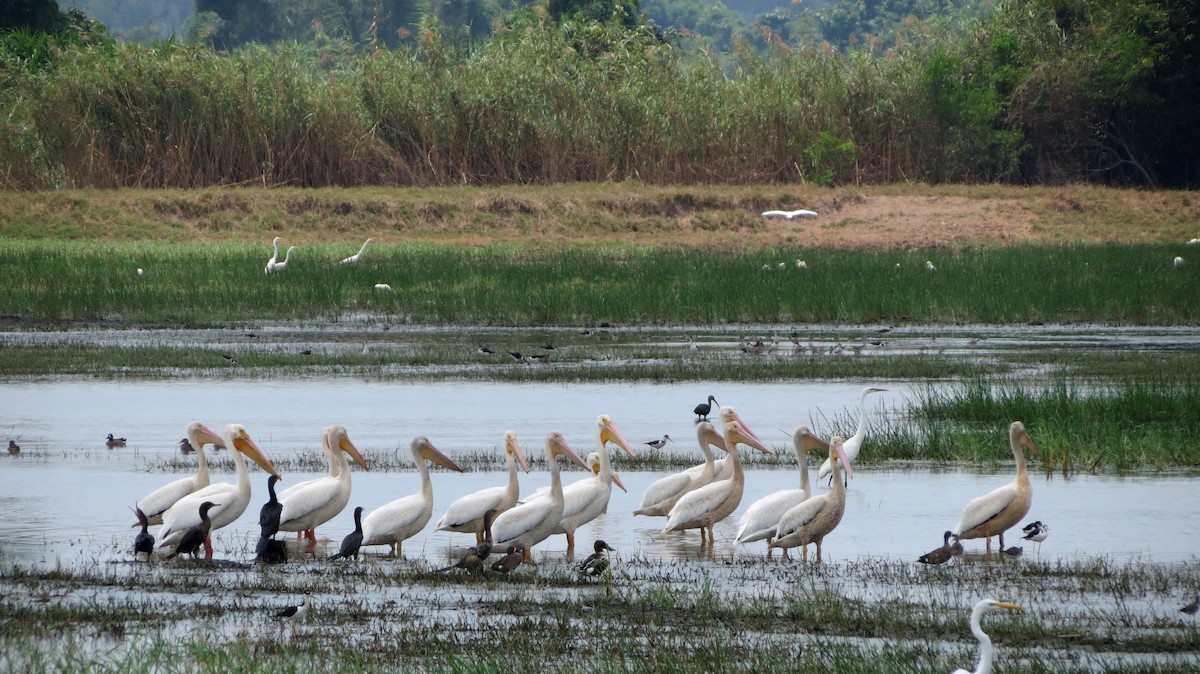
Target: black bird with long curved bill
{"x": 194, "y": 538}
{"x": 353, "y": 540}
{"x": 705, "y": 408}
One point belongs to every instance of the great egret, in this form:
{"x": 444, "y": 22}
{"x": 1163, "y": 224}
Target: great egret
{"x": 929, "y": 266}
{"x": 274, "y": 256}
{"x": 353, "y": 259}
{"x": 798, "y": 213}
{"x": 985, "y": 642}
{"x": 280, "y": 266}
{"x": 854, "y": 443}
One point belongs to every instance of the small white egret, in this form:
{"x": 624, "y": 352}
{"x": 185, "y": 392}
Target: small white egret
{"x": 799, "y": 213}
{"x": 801, "y": 264}
{"x": 383, "y": 287}
{"x": 1192, "y": 242}
{"x": 141, "y": 271}
{"x": 985, "y": 642}
{"x": 929, "y": 266}
{"x": 1178, "y": 261}
{"x": 353, "y": 259}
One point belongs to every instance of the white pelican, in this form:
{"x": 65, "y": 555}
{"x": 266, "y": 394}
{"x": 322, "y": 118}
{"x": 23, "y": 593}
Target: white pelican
{"x": 798, "y": 213}
{"x": 762, "y": 517}
{"x": 393, "y": 523}
{"x": 353, "y": 259}
{"x": 854, "y": 443}
{"x": 704, "y": 507}
{"x": 1000, "y": 509}
{"x": 585, "y": 500}
{"x": 280, "y": 266}
{"x": 524, "y": 526}
{"x": 812, "y": 520}
{"x": 985, "y": 642}
{"x": 233, "y": 498}
{"x": 466, "y": 514}
{"x": 313, "y": 503}
{"x": 154, "y": 504}
{"x": 274, "y": 255}
{"x": 662, "y": 494}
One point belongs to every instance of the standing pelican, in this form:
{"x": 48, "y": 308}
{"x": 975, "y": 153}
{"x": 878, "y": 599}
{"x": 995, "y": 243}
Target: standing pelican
{"x": 761, "y": 519}
{"x": 704, "y": 507}
{"x": 812, "y": 520}
{"x": 391, "y": 524}
{"x": 195, "y": 537}
{"x": 158, "y": 501}
{"x": 663, "y": 494}
{"x": 268, "y": 515}
{"x": 584, "y": 500}
{"x": 143, "y": 543}
{"x": 310, "y": 504}
{"x": 527, "y": 524}
{"x": 353, "y": 540}
{"x": 854, "y": 444}
{"x": 274, "y": 255}
{"x": 233, "y": 498}
{"x": 985, "y": 642}
{"x": 353, "y": 259}
{"x": 997, "y": 511}
{"x": 466, "y": 514}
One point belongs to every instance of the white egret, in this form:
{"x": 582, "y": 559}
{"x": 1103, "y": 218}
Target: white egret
{"x": 854, "y": 443}
{"x": 986, "y": 651}
{"x": 280, "y": 266}
{"x": 798, "y": 213}
{"x": 274, "y": 256}
{"x": 353, "y": 259}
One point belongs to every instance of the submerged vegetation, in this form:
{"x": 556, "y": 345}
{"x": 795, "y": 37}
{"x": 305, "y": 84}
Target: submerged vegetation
{"x": 641, "y": 616}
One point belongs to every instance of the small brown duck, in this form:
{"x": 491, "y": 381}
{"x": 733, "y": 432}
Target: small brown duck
{"x": 509, "y": 561}
{"x": 13, "y": 447}
{"x": 114, "y": 442}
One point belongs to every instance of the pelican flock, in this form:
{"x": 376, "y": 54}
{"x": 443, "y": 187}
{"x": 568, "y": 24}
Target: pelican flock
{"x": 813, "y": 519}
{"x": 661, "y": 496}
{"x": 761, "y": 519}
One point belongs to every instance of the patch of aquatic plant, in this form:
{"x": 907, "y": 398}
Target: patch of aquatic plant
{"x": 208, "y": 284}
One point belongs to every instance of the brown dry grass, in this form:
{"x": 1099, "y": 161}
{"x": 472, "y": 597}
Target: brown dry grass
{"x": 891, "y": 216}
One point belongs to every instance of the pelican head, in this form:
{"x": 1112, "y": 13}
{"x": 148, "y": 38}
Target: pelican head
{"x": 511, "y": 446}
{"x": 556, "y": 445}
{"x": 706, "y": 432}
{"x": 593, "y": 462}
{"x": 837, "y": 452}
{"x": 803, "y": 438}
{"x": 336, "y": 437}
{"x": 1018, "y": 437}
{"x": 237, "y": 438}
{"x": 729, "y": 414}
{"x": 736, "y": 433}
{"x": 609, "y": 433}
{"x": 422, "y": 448}
{"x": 199, "y": 434}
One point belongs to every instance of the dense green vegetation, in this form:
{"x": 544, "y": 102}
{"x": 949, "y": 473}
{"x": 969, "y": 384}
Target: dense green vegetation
{"x": 523, "y": 285}
{"x": 1037, "y": 91}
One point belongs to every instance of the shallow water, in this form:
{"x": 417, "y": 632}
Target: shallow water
{"x": 67, "y": 497}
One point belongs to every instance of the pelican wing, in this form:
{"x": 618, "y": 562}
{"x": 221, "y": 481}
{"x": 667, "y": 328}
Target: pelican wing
{"x": 579, "y": 495}
{"x": 722, "y": 469}
{"x": 665, "y": 488}
{"x": 297, "y": 487}
{"x": 520, "y": 519}
{"x": 798, "y": 515}
{"x": 761, "y": 519}
{"x": 698, "y": 503}
{"x": 185, "y": 514}
{"x": 390, "y": 518}
{"x": 471, "y": 507}
{"x": 985, "y": 507}
{"x": 303, "y": 502}
{"x": 158, "y": 501}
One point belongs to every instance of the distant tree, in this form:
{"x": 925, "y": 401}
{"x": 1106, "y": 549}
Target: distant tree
{"x": 241, "y": 21}
{"x": 35, "y": 15}
{"x": 624, "y": 12}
